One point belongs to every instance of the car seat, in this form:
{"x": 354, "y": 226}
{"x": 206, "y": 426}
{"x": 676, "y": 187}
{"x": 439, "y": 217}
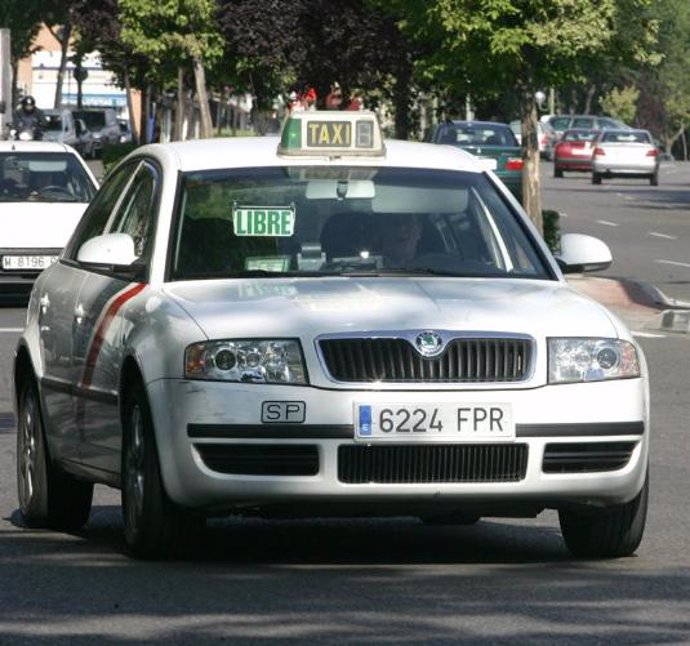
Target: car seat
{"x": 345, "y": 235}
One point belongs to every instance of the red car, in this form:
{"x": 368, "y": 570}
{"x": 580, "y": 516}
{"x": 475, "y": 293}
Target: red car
{"x": 574, "y": 151}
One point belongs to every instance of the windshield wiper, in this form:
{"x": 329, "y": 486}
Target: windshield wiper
{"x": 400, "y": 271}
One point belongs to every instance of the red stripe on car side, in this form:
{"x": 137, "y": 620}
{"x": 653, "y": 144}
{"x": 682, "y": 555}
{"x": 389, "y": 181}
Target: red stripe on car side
{"x": 115, "y": 304}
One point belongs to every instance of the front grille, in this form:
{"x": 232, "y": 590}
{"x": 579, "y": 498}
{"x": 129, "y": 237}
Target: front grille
{"x": 432, "y": 463}
{"x": 396, "y": 360}
{"x": 260, "y": 459}
{"x": 586, "y": 457}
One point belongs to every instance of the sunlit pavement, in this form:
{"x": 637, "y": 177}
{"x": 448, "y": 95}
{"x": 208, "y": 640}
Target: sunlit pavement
{"x": 641, "y": 305}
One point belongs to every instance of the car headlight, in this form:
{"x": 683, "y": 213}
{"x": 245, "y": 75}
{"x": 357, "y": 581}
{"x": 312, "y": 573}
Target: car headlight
{"x": 274, "y": 361}
{"x": 574, "y": 360}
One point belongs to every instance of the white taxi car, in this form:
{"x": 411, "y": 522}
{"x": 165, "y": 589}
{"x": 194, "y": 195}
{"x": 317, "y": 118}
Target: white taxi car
{"x": 44, "y": 190}
{"x": 325, "y": 323}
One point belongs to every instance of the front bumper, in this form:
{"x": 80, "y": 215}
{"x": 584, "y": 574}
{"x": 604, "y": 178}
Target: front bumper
{"x": 199, "y": 424}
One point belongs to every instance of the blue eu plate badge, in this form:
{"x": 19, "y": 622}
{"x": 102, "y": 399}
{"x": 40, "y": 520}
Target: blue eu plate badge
{"x": 364, "y": 423}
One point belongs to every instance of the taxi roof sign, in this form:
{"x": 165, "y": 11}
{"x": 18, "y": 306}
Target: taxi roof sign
{"x": 331, "y": 133}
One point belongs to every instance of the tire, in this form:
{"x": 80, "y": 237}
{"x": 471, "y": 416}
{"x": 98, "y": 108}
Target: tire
{"x": 154, "y": 527}
{"x": 596, "y": 178}
{"x": 557, "y": 172}
{"x": 611, "y": 532}
{"x": 47, "y": 497}
{"x": 654, "y": 179}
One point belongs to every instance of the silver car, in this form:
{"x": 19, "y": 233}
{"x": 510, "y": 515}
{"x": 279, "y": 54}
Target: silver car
{"x": 625, "y": 153}
{"x": 325, "y": 323}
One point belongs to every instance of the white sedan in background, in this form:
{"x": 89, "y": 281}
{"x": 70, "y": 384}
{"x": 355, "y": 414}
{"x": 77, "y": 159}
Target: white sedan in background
{"x": 44, "y": 189}
{"x": 325, "y": 323}
{"x": 625, "y": 153}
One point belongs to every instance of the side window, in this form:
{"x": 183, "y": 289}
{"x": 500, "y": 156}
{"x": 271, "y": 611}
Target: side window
{"x": 97, "y": 215}
{"x": 135, "y": 214}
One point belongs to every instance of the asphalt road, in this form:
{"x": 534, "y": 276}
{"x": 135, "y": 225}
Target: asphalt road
{"x": 645, "y": 226}
{"x": 383, "y": 581}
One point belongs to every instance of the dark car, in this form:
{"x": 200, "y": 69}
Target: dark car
{"x": 486, "y": 139}
{"x": 562, "y": 122}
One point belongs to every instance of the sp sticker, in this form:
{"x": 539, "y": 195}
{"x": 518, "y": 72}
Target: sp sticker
{"x": 283, "y": 412}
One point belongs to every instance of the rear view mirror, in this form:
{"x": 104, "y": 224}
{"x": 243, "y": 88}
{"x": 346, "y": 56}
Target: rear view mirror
{"x": 340, "y": 189}
{"x": 111, "y": 249}
{"x": 580, "y": 253}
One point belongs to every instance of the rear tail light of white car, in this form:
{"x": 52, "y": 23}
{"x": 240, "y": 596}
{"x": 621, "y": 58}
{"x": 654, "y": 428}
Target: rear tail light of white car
{"x": 275, "y": 361}
{"x": 652, "y": 153}
{"x": 573, "y": 360}
{"x": 599, "y": 152}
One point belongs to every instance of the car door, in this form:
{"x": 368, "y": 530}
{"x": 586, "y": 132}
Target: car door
{"x": 98, "y": 326}
{"x": 57, "y": 291}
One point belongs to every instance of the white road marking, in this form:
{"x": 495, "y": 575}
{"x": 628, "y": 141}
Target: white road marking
{"x": 662, "y": 235}
{"x": 11, "y": 329}
{"x": 673, "y": 262}
{"x": 607, "y": 223}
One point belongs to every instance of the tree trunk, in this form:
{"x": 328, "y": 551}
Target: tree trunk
{"x": 179, "y": 111}
{"x": 531, "y": 179}
{"x": 134, "y": 128}
{"x": 64, "y": 46}
{"x": 202, "y": 94}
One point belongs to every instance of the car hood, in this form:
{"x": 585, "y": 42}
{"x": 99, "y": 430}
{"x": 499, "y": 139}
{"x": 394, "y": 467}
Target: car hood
{"x": 38, "y": 224}
{"x": 310, "y": 307}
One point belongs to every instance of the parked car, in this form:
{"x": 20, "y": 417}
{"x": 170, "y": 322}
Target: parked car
{"x": 44, "y": 190}
{"x": 562, "y": 122}
{"x": 60, "y": 127}
{"x": 574, "y": 151}
{"x": 102, "y": 122}
{"x": 125, "y": 131}
{"x": 625, "y": 153}
{"x": 323, "y": 324}
{"x": 488, "y": 140}
{"x": 546, "y": 137}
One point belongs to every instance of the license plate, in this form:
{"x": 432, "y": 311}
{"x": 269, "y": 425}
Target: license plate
{"x": 470, "y": 422}
{"x": 27, "y": 262}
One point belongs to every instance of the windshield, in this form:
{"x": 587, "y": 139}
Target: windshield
{"x": 349, "y": 221}
{"x": 43, "y": 177}
{"x": 53, "y": 122}
{"x": 93, "y": 119}
{"x": 477, "y": 134}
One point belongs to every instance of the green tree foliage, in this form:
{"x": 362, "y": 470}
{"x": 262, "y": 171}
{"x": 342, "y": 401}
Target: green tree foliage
{"x": 183, "y": 31}
{"x": 98, "y": 28}
{"x": 482, "y": 47}
{"x": 277, "y": 45}
{"x": 621, "y": 104}
{"x": 664, "y": 105}
{"x": 23, "y": 18}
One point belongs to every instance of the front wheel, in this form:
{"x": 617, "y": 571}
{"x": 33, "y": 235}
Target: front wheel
{"x": 611, "y": 532}
{"x": 47, "y": 497}
{"x": 596, "y": 178}
{"x": 154, "y": 526}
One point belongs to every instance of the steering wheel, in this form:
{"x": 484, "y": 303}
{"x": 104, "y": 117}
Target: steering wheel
{"x": 54, "y": 189}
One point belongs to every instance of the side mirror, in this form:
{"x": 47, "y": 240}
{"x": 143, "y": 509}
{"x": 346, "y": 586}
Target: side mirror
{"x": 111, "y": 249}
{"x": 581, "y": 253}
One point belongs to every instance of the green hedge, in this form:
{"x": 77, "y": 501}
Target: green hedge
{"x": 113, "y": 153}
{"x": 552, "y": 230}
